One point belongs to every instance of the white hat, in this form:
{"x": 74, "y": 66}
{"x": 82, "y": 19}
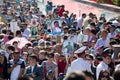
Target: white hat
{"x": 40, "y": 41}
{"x": 2, "y": 52}
{"x": 115, "y": 22}
{"x": 80, "y": 50}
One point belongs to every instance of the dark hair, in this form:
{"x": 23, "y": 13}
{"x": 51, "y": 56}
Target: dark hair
{"x": 101, "y": 75}
{"x": 116, "y": 75}
{"x": 92, "y": 24}
{"x": 55, "y": 22}
{"x": 12, "y": 48}
{"x": 4, "y": 31}
{"x": 25, "y": 77}
{"x": 33, "y": 56}
{"x": 43, "y": 52}
{"x": 88, "y": 73}
{"x": 83, "y": 14}
{"x": 93, "y": 31}
{"x": 15, "y": 42}
{"x": 10, "y": 37}
{"x": 16, "y": 52}
{"x": 75, "y": 76}
{"x": 18, "y": 32}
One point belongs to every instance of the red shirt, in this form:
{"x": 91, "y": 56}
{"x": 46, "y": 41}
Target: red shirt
{"x": 61, "y": 65}
{"x": 61, "y": 10}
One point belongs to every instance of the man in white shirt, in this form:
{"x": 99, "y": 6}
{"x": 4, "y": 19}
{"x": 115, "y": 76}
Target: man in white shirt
{"x": 80, "y": 21}
{"x": 27, "y": 32}
{"x": 34, "y": 70}
{"x": 106, "y": 60}
{"x": 80, "y": 64}
{"x": 16, "y": 66}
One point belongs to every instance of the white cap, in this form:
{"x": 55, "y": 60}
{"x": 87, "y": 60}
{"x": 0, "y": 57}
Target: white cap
{"x": 80, "y": 50}
{"x": 40, "y": 41}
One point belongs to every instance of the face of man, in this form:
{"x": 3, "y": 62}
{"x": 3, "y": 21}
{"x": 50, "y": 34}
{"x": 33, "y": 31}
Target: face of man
{"x": 16, "y": 56}
{"x": 104, "y": 34}
{"x": 32, "y": 61}
{"x": 112, "y": 29}
{"x": 84, "y": 16}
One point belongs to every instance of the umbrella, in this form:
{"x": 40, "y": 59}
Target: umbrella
{"x": 21, "y": 42}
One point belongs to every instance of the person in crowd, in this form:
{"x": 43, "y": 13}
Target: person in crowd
{"x": 75, "y": 76}
{"x": 25, "y": 78}
{"x": 61, "y": 10}
{"x": 112, "y": 31}
{"x": 82, "y": 37}
{"x": 25, "y": 57}
{"x": 16, "y": 66}
{"x": 50, "y": 65}
{"x": 42, "y": 56}
{"x": 15, "y": 44}
{"x": 62, "y": 64}
{"x": 3, "y": 67}
{"x": 99, "y": 50}
{"x": 90, "y": 59}
{"x": 27, "y": 32}
{"x": 18, "y": 33}
{"x": 49, "y": 7}
{"x": 80, "y": 21}
{"x": 76, "y": 64}
{"x": 104, "y": 41}
{"x": 104, "y": 75}
{"x": 88, "y": 75}
{"x": 10, "y": 50}
{"x": 72, "y": 18}
{"x": 106, "y": 55}
{"x": 34, "y": 70}
{"x": 116, "y": 75}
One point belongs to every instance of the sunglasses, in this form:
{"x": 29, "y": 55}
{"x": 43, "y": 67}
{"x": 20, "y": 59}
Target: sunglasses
{"x": 50, "y": 56}
{"x": 105, "y": 76}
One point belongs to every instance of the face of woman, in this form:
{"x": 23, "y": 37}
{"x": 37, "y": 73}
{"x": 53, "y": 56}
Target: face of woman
{"x": 104, "y": 34}
{"x": 1, "y": 59}
{"x": 107, "y": 60}
{"x": 105, "y": 76}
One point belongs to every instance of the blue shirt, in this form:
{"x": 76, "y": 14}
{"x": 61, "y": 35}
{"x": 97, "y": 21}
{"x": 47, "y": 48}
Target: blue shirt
{"x": 101, "y": 42}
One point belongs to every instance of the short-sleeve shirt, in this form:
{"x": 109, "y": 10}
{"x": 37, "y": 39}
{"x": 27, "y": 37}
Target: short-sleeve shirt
{"x": 51, "y": 66}
{"x": 20, "y": 62}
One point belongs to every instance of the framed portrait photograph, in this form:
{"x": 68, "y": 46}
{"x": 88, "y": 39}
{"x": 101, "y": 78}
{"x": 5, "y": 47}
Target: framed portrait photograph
{"x": 56, "y": 27}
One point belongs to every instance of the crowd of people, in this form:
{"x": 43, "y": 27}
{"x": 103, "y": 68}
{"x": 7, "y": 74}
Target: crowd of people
{"x": 56, "y": 45}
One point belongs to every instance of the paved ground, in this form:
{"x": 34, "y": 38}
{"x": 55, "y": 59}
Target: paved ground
{"x": 80, "y": 8}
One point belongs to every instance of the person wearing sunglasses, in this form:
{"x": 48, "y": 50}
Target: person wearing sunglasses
{"x": 104, "y": 75}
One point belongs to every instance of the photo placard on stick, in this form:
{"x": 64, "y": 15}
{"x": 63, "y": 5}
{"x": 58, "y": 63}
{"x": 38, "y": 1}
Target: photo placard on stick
{"x": 58, "y": 39}
{"x": 14, "y": 26}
